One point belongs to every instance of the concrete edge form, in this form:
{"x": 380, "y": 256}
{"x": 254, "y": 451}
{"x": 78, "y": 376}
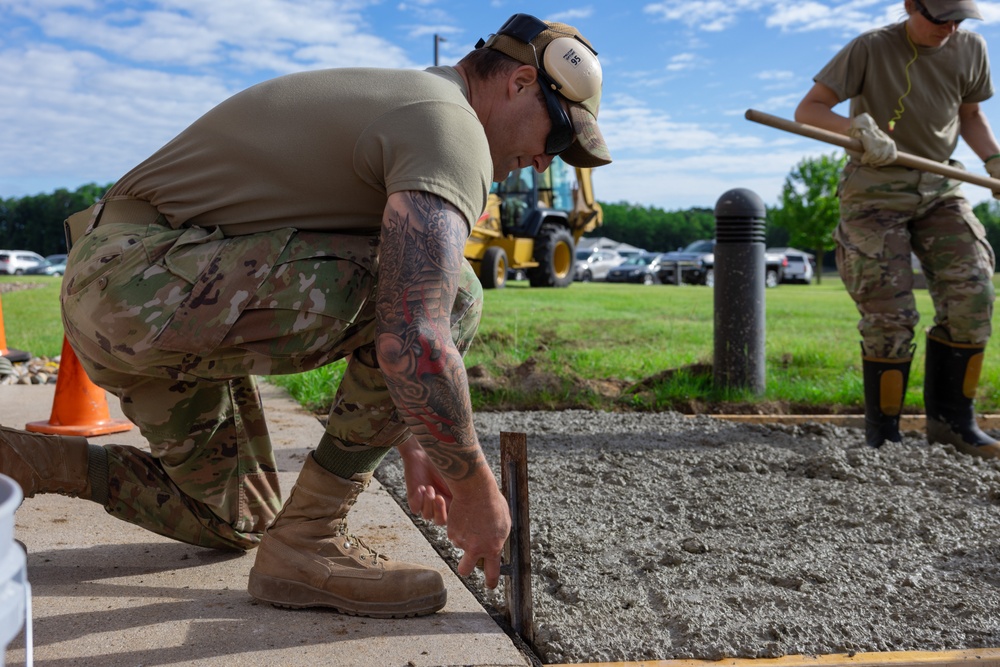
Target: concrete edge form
{"x": 906, "y": 422}
{"x": 989, "y": 657}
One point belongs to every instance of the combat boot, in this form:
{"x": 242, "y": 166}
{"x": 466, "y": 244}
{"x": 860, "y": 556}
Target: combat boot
{"x": 950, "y": 381}
{"x": 45, "y": 463}
{"x": 885, "y": 386}
{"x": 307, "y": 557}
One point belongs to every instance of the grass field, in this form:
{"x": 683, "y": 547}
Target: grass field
{"x": 586, "y": 345}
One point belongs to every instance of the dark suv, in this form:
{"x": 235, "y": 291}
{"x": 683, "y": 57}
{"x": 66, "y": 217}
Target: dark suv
{"x": 689, "y": 261}
{"x": 696, "y": 264}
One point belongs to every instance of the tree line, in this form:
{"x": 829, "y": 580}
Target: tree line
{"x": 657, "y": 230}
{"x": 805, "y": 219}
{"x": 36, "y": 222}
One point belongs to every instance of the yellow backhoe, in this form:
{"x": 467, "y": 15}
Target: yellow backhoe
{"x": 532, "y": 223}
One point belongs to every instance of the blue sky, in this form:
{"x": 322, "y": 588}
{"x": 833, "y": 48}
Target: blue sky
{"x": 90, "y": 88}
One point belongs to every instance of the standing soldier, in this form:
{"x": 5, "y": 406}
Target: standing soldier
{"x": 915, "y": 85}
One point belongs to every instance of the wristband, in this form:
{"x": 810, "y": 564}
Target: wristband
{"x": 991, "y": 157}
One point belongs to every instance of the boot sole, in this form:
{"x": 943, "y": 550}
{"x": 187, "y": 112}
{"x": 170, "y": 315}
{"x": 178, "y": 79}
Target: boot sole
{"x": 296, "y": 595}
{"x": 939, "y": 433}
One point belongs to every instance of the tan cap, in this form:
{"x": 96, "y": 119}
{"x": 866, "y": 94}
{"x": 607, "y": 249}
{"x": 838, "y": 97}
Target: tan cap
{"x": 582, "y": 74}
{"x": 952, "y": 10}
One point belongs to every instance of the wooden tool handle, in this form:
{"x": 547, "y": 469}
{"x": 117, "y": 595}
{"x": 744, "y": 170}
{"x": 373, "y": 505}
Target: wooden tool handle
{"x": 902, "y": 159}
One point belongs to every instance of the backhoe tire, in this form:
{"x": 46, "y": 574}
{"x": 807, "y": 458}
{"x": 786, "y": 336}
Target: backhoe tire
{"x": 554, "y": 252}
{"x": 493, "y": 268}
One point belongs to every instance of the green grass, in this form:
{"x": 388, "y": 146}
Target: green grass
{"x": 594, "y": 332}
{"x": 31, "y": 317}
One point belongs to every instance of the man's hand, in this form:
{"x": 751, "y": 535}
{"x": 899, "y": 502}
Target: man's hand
{"x": 479, "y": 524}
{"x": 993, "y": 169}
{"x": 880, "y": 150}
{"x": 427, "y": 491}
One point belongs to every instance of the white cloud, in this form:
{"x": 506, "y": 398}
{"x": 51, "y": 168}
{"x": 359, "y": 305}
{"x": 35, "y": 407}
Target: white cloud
{"x": 719, "y": 15}
{"x": 570, "y": 15}
{"x": 775, "y": 75}
{"x": 635, "y": 128}
{"x": 83, "y": 114}
{"x": 682, "y": 61}
{"x": 90, "y": 88}
{"x": 197, "y": 34}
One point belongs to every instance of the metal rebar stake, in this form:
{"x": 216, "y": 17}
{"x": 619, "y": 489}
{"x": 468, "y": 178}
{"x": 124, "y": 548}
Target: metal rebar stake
{"x": 517, "y": 550}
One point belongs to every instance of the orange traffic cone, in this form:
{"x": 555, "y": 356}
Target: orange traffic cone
{"x": 80, "y": 406}
{"x": 13, "y": 355}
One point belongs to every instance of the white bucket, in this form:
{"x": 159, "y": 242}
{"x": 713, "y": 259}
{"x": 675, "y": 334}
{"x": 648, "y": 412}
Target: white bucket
{"x": 15, "y": 592}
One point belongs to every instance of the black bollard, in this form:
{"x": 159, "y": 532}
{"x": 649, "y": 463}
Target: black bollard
{"x": 739, "y": 291}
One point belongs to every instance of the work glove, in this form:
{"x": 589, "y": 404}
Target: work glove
{"x": 993, "y": 169}
{"x": 880, "y": 150}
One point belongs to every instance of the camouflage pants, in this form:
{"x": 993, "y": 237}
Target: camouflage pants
{"x": 885, "y": 215}
{"x": 176, "y": 323}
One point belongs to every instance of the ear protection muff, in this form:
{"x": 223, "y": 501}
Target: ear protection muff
{"x": 569, "y": 63}
{"x": 573, "y": 67}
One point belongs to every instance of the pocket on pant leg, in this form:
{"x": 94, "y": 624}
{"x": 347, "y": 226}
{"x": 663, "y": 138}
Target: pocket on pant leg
{"x": 321, "y": 283}
{"x": 859, "y": 251}
{"x": 217, "y": 278}
{"x": 98, "y": 253}
{"x": 468, "y": 308}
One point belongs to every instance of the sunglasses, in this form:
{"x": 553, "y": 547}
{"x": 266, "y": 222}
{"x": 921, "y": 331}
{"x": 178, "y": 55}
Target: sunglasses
{"x": 525, "y": 28}
{"x": 927, "y": 15}
{"x": 562, "y": 134}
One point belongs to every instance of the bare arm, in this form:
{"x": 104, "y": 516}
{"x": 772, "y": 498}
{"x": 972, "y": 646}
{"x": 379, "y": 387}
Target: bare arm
{"x": 816, "y": 109}
{"x": 976, "y": 131}
{"x": 420, "y": 257}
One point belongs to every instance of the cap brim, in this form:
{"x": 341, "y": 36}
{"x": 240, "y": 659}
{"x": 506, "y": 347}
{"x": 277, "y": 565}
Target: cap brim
{"x": 589, "y": 149}
{"x": 953, "y": 11}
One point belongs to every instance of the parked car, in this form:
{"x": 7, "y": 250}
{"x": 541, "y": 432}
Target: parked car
{"x": 594, "y": 263}
{"x": 53, "y": 265}
{"x": 696, "y": 263}
{"x": 798, "y": 267}
{"x": 774, "y": 267}
{"x": 688, "y": 261}
{"x": 631, "y": 252}
{"x": 16, "y": 262}
{"x": 641, "y": 269}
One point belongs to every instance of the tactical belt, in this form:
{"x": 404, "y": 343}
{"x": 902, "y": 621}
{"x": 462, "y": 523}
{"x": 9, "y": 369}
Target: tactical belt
{"x": 111, "y": 211}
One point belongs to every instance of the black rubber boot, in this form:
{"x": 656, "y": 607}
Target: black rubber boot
{"x": 885, "y": 387}
{"x": 950, "y": 382}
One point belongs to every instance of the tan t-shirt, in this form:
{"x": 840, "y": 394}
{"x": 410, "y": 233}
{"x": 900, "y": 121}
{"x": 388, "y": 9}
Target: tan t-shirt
{"x": 320, "y": 150}
{"x": 872, "y": 72}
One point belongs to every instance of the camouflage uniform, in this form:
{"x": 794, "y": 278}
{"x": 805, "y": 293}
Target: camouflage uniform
{"x": 176, "y": 322}
{"x": 886, "y": 213}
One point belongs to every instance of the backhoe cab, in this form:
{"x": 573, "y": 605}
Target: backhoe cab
{"x": 532, "y": 223}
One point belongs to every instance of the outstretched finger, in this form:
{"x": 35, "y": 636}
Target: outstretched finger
{"x": 440, "y": 511}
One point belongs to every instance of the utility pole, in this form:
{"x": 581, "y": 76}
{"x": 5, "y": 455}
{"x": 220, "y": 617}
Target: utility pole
{"x": 437, "y": 39}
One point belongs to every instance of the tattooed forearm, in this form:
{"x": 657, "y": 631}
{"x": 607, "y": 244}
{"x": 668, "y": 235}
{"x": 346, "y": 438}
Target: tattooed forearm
{"x": 420, "y": 260}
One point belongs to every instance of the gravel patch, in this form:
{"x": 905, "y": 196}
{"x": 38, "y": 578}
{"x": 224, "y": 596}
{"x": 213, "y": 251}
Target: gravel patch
{"x": 661, "y": 536}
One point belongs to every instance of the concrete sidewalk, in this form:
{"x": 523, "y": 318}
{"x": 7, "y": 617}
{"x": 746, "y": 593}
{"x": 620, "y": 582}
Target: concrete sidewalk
{"x": 107, "y": 593}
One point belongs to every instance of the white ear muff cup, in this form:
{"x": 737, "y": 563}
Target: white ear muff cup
{"x": 573, "y": 66}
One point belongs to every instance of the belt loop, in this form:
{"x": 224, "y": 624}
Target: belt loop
{"x": 96, "y": 217}
{"x": 80, "y": 223}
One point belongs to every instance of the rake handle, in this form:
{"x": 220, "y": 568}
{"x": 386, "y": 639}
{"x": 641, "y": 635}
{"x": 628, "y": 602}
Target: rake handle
{"x": 902, "y": 159}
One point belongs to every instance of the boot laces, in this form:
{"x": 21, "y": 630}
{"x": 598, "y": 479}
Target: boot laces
{"x": 352, "y": 541}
